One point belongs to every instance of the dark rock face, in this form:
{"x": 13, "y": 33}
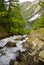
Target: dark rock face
{"x": 11, "y": 44}
{"x": 1, "y": 47}
{"x": 12, "y": 62}
{"x": 40, "y": 63}
{"x": 19, "y": 57}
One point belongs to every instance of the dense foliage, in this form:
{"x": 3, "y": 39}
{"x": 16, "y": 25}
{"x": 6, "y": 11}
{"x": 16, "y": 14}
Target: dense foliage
{"x": 11, "y": 19}
{"x": 39, "y": 23}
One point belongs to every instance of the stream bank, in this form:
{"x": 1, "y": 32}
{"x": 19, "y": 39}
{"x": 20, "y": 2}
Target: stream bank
{"x": 23, "y": 49}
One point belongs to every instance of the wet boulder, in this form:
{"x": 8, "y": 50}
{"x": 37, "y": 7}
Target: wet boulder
{"x": 11, "y": 44}
{"x": 13, "y": 62}
{"x": 20, "y": 56}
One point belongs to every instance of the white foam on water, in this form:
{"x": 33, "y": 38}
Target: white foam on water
{"x": 11, "y": 52}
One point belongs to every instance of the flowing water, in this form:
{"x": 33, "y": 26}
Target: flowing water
{"x": 10, "y": 53}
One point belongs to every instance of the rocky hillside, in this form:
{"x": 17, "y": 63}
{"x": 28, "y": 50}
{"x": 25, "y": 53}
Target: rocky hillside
{"x": 30, "y": 8}
{"x": 36, "y": 37}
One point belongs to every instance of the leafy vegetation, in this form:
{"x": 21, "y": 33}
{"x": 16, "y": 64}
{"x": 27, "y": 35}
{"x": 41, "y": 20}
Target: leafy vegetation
{"x": 39, "y": 23}
{"x": 11, "y": 20}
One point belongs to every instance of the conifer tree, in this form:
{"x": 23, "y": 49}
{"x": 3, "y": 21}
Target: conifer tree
{"x": 13, "y": 21}
{"x": 17, "y": 21}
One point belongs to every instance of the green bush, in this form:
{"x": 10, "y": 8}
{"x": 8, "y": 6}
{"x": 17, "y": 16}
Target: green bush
{"x": 39, "y": 23}
{"x": 11, "y": 20}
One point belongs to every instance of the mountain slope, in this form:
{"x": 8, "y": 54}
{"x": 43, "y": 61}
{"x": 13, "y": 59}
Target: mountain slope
{"x": 30, "y": 8}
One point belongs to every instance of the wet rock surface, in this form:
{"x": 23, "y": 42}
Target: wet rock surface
{"x": 11, "y": 44}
